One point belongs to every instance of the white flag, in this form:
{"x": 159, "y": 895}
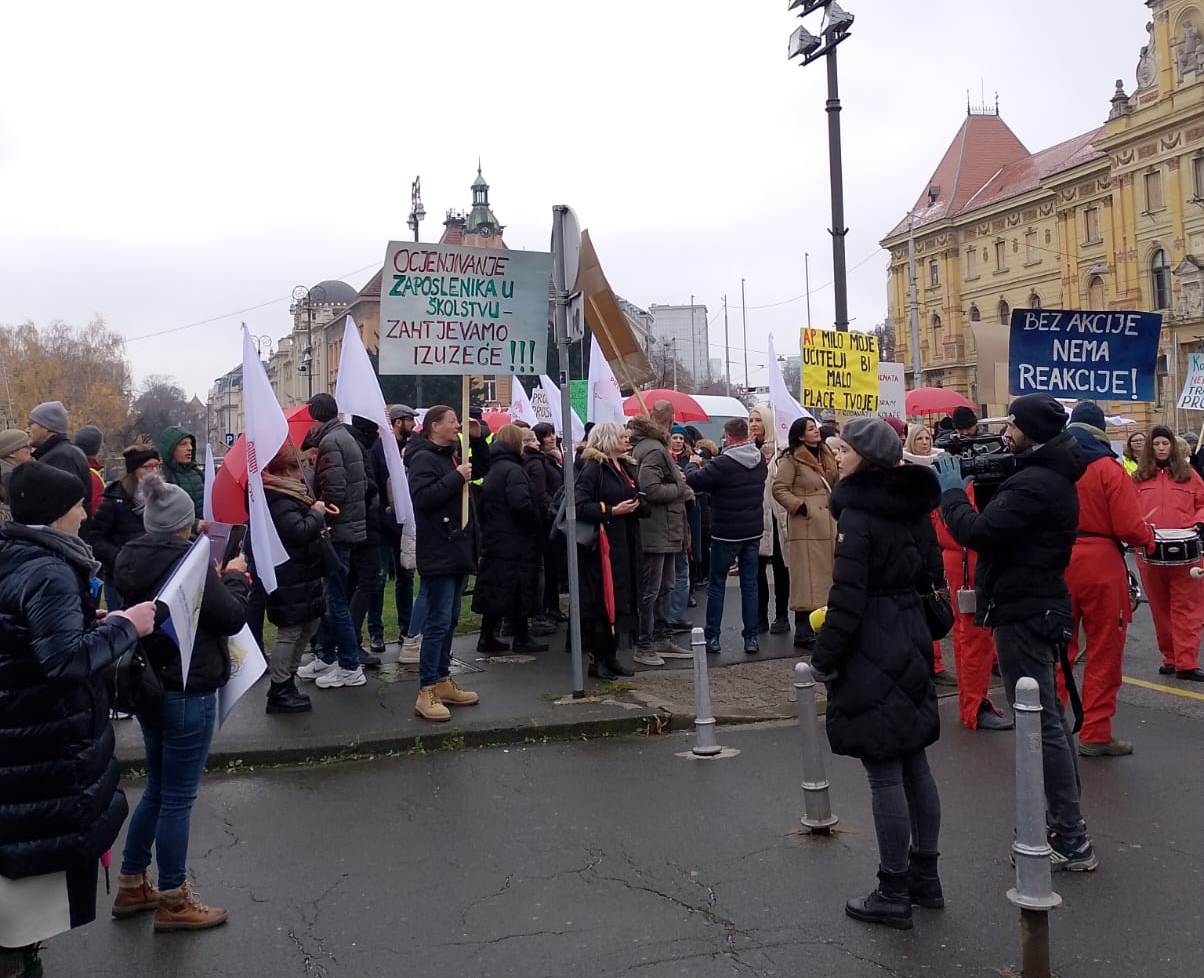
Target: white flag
{"x": 182, "y": 594}
{"x": 266, "y": 430}
{"x": 358, "y": 392}
{"x": 605, "y": 401}
{"x": 210, "y": 475}
{"x": 786, "y": 410}
{"x": 247, "y": 664}
{"x": 552, "y": 392}
{"x": 521, "y": 408}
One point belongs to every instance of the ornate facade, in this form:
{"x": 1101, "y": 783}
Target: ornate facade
{"x": 1110, "y": 219}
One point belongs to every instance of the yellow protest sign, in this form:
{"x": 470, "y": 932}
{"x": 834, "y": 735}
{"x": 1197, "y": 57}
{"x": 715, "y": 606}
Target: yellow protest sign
{"x": 840, "y": 371}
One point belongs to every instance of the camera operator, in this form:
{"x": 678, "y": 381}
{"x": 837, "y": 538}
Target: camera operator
{"x": 965, "y": 425}
{"x": 1024, "y": 537}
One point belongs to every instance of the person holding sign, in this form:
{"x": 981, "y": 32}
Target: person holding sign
{"x": 1170, "y": 496}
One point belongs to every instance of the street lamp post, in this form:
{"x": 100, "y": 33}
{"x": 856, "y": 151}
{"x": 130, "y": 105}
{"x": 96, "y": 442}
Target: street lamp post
{"x": 836, "y": 27}
{"x": 417, "y": 213}
{"x": 309, "y": 297}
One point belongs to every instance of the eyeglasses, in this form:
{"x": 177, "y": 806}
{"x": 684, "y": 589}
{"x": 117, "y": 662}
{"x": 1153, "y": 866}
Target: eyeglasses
{"x": 152, "y": 464}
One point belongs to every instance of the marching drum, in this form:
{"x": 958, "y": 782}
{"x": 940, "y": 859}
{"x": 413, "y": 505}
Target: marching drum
{"x": 1174, "y": 547}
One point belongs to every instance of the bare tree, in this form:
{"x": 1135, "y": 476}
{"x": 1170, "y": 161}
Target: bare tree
{"x": 886, "y": 341}
{"x": 161, "y": 402}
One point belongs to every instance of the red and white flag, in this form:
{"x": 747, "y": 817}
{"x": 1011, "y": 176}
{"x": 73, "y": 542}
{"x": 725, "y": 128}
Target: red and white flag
{"x": 266, "y": 430}
{"x": 521, "y": 408}
{"x": 358, "y": 392}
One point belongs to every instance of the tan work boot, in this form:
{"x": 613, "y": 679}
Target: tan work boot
{"x": 451, "y": 694}
{"x": 135, "y": 895}
{"x": 181, "y": 910}
{"x": 429, "y": 706}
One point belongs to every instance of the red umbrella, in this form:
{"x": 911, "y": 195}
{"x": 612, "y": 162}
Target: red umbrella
{"x": 495, "y": 419}
{"x": 685, "y": 408}
{"x": 608, "y": 580}
{"x": 935, "y": 400}
{"x": 230, "y": 486}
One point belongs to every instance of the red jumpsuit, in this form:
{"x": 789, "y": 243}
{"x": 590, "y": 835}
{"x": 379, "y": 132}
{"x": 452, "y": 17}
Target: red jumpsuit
{"x": 973, "y": 647}
{"x": 1099, "y": 588}
{"x": 1176, "y": 598}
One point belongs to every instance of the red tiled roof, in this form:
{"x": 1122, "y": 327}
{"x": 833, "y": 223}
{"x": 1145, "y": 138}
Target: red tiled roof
{"x": 1024, "y": 175}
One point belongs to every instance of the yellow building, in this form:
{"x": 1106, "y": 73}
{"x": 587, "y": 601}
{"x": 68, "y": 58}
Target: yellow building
{"x": 1109, "y": 219}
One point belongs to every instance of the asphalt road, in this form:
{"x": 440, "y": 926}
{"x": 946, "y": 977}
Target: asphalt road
{"x": 622, "y": 858}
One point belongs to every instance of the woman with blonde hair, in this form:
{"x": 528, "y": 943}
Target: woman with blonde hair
{"x": 918, "y": 448}
{"x": 770, "y": 551}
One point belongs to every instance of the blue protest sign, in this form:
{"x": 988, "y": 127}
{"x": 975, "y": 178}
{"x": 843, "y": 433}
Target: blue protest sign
{"x": 1077, "y": 354}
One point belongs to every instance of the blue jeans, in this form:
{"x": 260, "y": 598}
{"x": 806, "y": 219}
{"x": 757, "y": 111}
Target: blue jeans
{"x": 723, "y": 554}
{"x": 680, "y": 598}
{"x": 177, "y": 743}
{"x": 339, "y": 630}
{"x": 417, "y": 613}
{"x": 442, "y": 593}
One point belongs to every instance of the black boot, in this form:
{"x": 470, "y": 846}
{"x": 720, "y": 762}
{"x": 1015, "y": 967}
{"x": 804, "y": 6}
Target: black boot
{"x": 922, "y": 881}
{"x": 804, "y": 635}
{"x": 488, "y": 644}
{"x": 285, "y": 698}
{"x": 889, "y": 904}
{"x": 616, "y": 669}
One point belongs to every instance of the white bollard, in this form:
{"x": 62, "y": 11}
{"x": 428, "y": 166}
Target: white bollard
{"x": 705, "y": 744}
{"x": 817, "y": 806}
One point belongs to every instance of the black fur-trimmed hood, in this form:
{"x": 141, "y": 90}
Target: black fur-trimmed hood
{"x": 905, "y": 492}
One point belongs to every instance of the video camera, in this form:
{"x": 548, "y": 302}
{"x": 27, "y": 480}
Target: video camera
{"x": 984, "y": 458}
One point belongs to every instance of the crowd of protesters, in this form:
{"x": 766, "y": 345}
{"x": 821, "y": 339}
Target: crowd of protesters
{"x": 843, "y": 519}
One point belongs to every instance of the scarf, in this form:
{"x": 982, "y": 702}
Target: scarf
{"x": 293, "y": 488}
{"x": 67, "y": 545}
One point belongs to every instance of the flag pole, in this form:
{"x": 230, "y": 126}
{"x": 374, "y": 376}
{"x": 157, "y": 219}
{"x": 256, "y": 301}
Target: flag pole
{"x": 464, "y": 418}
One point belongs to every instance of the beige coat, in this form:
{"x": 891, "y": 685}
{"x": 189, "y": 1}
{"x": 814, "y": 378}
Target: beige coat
{"x": 802, "y": 486}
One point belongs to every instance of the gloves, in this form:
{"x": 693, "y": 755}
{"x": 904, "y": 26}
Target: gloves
{"x": 948, "y": 471}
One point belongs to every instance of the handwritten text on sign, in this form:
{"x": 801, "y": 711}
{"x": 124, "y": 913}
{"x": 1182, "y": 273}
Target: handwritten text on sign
{"x": 1192, "y": 398}
{"x": 455, "y": 310}
{"x": 1066, "y": 353}
{"x": 840, "y": 371}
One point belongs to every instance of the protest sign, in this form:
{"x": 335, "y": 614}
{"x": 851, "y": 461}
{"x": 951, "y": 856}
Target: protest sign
{"x": 891, "y": 390}
{"x": 448, "y": 309}
{"x": 1192, "y": 398}
{"x": 181, "y": 595}
{"x": 579, "y": 397}
{"x": 840, "y": 371}
{"x": 247, "y": 664}
{"x": 1070, "y": 353}
{"x": 543, "y": 407}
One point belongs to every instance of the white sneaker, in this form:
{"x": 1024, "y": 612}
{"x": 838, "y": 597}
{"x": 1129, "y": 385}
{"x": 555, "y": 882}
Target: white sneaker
{"x": 646, "y": 657}
{"x": 411, "y": 645}
{"x": 338, "y": 677}
{"x": 313, "y": 669}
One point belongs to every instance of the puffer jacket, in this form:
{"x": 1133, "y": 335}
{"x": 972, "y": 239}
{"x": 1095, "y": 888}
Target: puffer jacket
{"x": 59, "y": 452}
{"x": 188, "y": 477}
{"x": 298, "y": 597}
{"x": 435, "y": 489}
{"x": 142, "y": 568}
{"x": 367, "y": 436}
{"x": 735, "y": 479}
{"x": 60, "y": 799}
{"x": 340, "y": 478}
{"x": 511, "y": 539}
{"x": 663, "y": 484}
{"x": 875, "y": 640}
{"x": 1024, "y": 535}
{"x": 537, "y": 474}
{"x": 116, "y": 523}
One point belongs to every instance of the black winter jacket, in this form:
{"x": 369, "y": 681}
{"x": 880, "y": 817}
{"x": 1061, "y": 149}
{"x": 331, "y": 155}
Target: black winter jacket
{"x": 116, "y": 523}
{"x": 435, "y": 488}
{"x": 389, "y": 527}
{"x": 59, "y": 452}
{"x": 143, "y": 567}
{"x": 60, "y": 801}
{"x": 735, "y": 479}
{"x": 298, "y": 597}
{"x": 511, "y": 540}
{"x": 541, "y": 491}
{"x": 340, "y": 478}
{"x": 367, "y": 437}
{"x": 1024, "y": 535}
{"x": 875, "y": 639}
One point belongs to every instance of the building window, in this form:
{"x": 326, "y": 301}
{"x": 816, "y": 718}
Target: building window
{"x": 1091, "y": 223}
{"x": 972, "y": 263}
{"x": 934, "y": 273}
{"x": 1034, "y": 301}
{"x": 1005, "y": 313}
{"x": 936, "y": 321}
{"x": 489, "y": 390}
{"x": 1160, "y": 280}
{"x": 1095, "y": 293}
{"x": 1153, "y": 191}
{"x": 975, "y": 315}
{"x": 1197, "y": 177}
{"x": 1000, "y": 256}
{"x": 1030, "y": 248}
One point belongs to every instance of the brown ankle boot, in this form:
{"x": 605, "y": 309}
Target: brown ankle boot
{"x": 181, "y": 910}
{"x": 135, "y": 895}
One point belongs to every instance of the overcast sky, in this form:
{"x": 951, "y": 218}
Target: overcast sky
{"x": 162, "y": 164}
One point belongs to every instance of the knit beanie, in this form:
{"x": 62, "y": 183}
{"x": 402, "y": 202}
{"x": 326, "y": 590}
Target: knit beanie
{"x": 899, "y": 426}
{"x": 12, "y": 440}
{"x": 88, "y": 439}
{"x": 1039, "y": 416}
{"x": 51, "y": 415}
{"x": 679, "y": 429}
{"x": 137, "y": 456}
{"x": 168, "y": 508}
{"x": 964, "y": 417}
{"x": 323, "y": 408}
{"x": 1089, "y": 413}
{"x": 39, "y": 493}
{"x": 874, "y": 440}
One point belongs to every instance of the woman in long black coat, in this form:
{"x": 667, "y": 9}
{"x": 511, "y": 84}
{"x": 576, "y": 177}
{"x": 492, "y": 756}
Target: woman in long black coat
{"x": 508, "y": 577}
{"x": 607, "y": 494}
{"x": 875, "y": 652}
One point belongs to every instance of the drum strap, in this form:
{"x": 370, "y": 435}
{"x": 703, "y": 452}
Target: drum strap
{"x": 1072, "y": 691}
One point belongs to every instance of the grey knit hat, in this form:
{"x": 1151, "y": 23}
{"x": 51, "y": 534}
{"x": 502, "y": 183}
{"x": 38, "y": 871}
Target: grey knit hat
{"x": 88, "y": 439}
{"x": 168, "y": 508}
{"x": 12, "y": 440}
{"x": 51, "y": 415}
{"x": 874, "y": 440}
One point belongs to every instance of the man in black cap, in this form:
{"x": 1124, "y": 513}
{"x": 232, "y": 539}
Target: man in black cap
{"x": 1024, "y": 537}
